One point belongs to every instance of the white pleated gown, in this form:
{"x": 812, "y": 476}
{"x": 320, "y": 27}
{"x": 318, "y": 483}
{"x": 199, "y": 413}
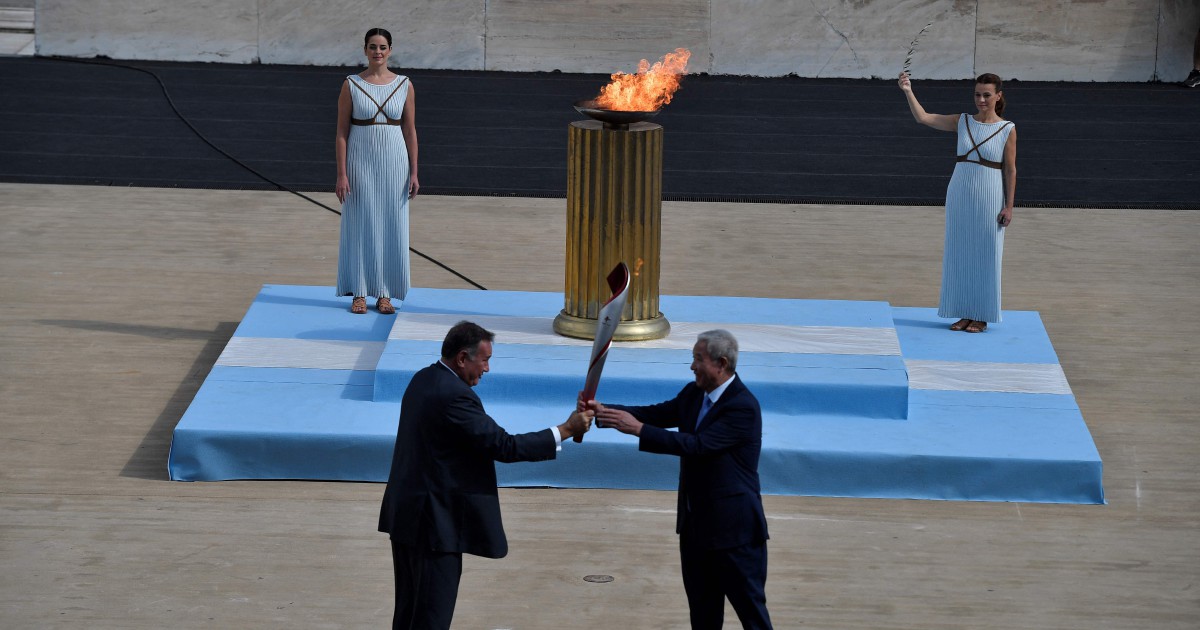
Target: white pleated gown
{"x": 974, "y": 246}
{"x": 373, "y": 247}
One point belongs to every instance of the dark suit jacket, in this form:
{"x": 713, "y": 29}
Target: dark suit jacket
{"x": 441, "y": 493}
{"x": 720, "y": 503}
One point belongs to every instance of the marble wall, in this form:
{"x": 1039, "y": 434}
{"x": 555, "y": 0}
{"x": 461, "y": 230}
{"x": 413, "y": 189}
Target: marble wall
{"x": 1178, "y": 23}
{"x": 425, "y": 34}
{"x": 594, "y": 35}
{"x": 205, "y": 30}
{"x": 1112, "y": 40}
{"x": 839, "y": 38}
{"x": 1072, "y": 40}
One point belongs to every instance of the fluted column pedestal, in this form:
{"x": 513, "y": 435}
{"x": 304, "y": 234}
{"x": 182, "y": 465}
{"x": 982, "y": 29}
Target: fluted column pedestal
{"x": 614, "y": 214}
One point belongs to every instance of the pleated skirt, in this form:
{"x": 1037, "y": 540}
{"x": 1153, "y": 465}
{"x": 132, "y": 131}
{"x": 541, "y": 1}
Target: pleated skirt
{"x": 373, "y": 246}
{"x": 974, "y": 244}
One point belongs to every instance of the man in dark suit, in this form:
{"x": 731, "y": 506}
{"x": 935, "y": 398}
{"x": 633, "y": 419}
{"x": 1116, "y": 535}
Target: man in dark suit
{"x": 721, "y": 525}
{"x": 441, "y": 499}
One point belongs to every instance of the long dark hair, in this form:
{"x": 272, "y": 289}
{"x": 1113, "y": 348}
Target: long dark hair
{"x": 986, "y": 78}
{"x": 377, "y": 31}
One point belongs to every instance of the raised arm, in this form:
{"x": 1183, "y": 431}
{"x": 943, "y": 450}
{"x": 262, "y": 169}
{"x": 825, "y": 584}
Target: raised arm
{"x": 408, "y": 126}
{"x": 345, "y": 108}
{"x": 943, "y": 122}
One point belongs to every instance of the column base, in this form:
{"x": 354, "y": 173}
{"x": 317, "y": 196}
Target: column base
{"x": 634, "y": 330}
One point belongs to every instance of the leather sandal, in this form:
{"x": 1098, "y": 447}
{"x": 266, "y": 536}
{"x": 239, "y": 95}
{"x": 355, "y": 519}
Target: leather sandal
{"x": 358, "y": 306}
{"x": 960, "y": 324}
{"x": 384, "y": 306}
{"x": 976, "y": 327}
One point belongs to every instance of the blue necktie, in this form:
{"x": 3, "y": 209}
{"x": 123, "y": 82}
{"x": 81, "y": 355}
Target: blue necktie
{"x": 704, "y": 407}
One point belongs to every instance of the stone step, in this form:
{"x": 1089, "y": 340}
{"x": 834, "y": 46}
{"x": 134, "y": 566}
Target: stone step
{"x": 793, "y": 356}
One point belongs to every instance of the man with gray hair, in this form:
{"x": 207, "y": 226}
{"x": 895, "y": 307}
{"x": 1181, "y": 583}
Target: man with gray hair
{"x": 720, "y": 521}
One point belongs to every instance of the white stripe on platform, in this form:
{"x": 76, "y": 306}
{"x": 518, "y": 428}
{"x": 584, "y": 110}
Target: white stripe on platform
{"x": 751, "y": 337}
{"x": 1025, "y": 378}
{"x": 319, "y": 354}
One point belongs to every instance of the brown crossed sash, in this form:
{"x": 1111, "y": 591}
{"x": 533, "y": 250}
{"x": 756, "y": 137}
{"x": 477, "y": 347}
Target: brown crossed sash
{"x": 975, "y": 146}
{"x": 362, "y": 122}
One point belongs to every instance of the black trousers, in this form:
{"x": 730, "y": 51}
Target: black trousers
{"x": 426, "y": 587}
{"x": 712, "y": 575}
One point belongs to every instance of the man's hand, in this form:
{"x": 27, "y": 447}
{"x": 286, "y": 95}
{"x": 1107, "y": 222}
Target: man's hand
{"x": 622, "y": 421}
{"x": 577, "y": 424}
{"x": 594, "y": 406}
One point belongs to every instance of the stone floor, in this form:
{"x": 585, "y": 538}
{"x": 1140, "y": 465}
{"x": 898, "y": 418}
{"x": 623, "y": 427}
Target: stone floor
{"x": 117, "y": 302}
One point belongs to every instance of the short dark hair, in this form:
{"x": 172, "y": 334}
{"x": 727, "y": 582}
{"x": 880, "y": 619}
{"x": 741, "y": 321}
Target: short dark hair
{"x": 377, "y": 31}
{"x": 467, "y": 336}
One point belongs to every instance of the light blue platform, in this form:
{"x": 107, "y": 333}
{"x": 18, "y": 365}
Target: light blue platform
{"x": 859, "y": 398}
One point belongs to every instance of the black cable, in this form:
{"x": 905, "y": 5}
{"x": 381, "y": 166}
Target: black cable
{"x": 240, "y": 163}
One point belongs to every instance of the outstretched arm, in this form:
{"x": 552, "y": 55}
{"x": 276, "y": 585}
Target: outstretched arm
{"x": 943, "y": 122}
{"x": 618, "y": 419}
{"x": 471, "y": 426}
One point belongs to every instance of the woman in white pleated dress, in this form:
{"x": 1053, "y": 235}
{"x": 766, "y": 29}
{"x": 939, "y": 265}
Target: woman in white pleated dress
{"x": 376, "y": 149}
{"x": 979, "y": 204}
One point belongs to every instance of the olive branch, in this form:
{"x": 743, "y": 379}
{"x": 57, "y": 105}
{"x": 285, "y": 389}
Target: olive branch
{"x": 912, "y": 48}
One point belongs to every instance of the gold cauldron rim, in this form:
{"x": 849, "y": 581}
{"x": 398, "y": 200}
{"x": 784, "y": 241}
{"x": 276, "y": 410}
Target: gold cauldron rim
{"x": 612, "y": 118}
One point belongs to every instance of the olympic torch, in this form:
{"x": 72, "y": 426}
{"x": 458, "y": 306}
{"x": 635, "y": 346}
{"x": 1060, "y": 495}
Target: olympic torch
{"x": 606, "y": 325}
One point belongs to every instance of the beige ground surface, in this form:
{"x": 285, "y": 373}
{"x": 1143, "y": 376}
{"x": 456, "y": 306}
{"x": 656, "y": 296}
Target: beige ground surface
{"x": 116, "y": 302}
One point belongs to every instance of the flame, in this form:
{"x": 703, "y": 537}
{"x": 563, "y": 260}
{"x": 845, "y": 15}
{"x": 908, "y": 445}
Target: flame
{"x": 637, "y": 269}
{"x": 649, "y": 89}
